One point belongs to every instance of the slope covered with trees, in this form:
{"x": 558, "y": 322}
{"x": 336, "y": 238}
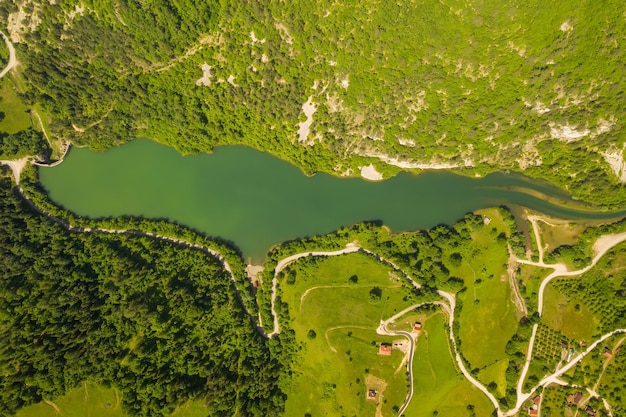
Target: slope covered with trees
{"x": 159, "y": 321}
{"x": 476, "y": 87}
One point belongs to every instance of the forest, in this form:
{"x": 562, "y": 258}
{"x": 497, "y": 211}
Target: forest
{"x": 530, "y": 87}
{"x": 159, "y": 321}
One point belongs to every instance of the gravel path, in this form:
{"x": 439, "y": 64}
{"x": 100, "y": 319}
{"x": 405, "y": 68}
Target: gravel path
{"x": 12, "y": 58}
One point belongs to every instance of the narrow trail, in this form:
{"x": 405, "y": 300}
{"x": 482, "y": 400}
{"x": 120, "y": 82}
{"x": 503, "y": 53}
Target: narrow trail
{"x": 529, "y": 356}
{"x": 540, "y": 249}
{"x": 208, "y": 40}
{"x": 34, "y": 113}
{"x": 12, "y": 57}
{"x": 330, "y": 346}
{"x": 353, "y": 286}
{"x": 511, "y": 272}
{"x": 53, "y": 405}
{"x": 606, "y": 364}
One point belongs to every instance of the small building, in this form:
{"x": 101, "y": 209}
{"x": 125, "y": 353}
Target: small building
{"x": 371, "y": 394}
{"x": 384, "y": 349}
{"x": 564, "y": 344}
{"x": 417, "y": 327}
{"x": 533, "y": 412}
{"x": 590, "y": 411}
{"x": 574, "y": 398}
{"x": 486, "y": 220}
{"x": 537, "y": 400}
{"x": 607, "y": 352}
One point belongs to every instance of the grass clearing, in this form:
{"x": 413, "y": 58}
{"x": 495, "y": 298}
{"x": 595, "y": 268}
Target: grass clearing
{"x": 488, "y": 323}
{"x": 488, "y": 317}
{"x": 557, "y": 235}
{"x": 529, "y": 280}
{"x": 16, "y": 116}
{"x": 191, "y": 409}
{"x": 438, "y": 385}
{"x": 495, "y": 372}
{"x": 335, "y": 320}
{"x": 94, "y": 400}
{"x": 89, "y": 399}
{"x": 569, "y": 316}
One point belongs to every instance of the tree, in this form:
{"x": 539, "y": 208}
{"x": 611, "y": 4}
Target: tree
{"x": 375, "y": 294}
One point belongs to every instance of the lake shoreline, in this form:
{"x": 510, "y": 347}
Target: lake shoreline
{"x": 256, "y": 200}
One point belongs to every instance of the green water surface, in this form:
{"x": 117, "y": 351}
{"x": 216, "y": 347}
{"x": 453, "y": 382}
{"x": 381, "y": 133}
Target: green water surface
{"x": 256, "y": 200}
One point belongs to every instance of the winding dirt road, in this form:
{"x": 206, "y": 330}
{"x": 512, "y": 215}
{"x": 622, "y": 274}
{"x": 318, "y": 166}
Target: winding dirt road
{"x": 601, "y": 246}
{"x": 12, "y": 57}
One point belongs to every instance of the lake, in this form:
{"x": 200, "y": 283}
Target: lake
{"x": 256, "y": 200}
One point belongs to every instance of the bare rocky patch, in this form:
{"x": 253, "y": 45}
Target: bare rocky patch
{"x": 308, "y": 108}
{"x": 614, "y": 156}
{"x": 206, "y": 75}
{"x": 369, "y": 172}
{"x": 284, "y": 33}
{"x": 22, "y": 22}
{"x": 567, "y": 133}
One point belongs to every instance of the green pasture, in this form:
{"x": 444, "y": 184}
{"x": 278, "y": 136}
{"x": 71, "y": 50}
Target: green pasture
{"x": 439, "y": 386}
{"x": 531, "y": 277}
{"x": 495, "y": 372}
{"x": 568, "y": 315}
{"x": 340, "y": 362}
{"x": 559, "y": 234}
{"x": 488, "y": 317}
{"x": 16, "y": 116}
{"x": 89, "y": 399}
{"x": 94, "y": 400}
{"x": 486, "y": 326}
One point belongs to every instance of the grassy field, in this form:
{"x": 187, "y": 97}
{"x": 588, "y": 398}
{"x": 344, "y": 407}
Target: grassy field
{"x": 438, "y": 385}
{"x": 555, "y": 235}
{"x": 570, "y": 316}
{"x": 16, "y": 117}
{"x": 87, "y": 400}
{"x": 93, "y": 400}
{"x": 340, "y": 361}
{"x": 488, "y": 317}
{"x": 531, "y": 278}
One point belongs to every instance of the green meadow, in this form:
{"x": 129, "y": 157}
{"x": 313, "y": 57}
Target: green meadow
{"x": 13, "y": 113}
{"x": 488, "y": 316}
{"x": 94, "y": 400}
{"x": 87, "y": 400}
{"x": 439, "y": 386}
{"x": 568, "y": 315}
{"x": 335, "y": 320}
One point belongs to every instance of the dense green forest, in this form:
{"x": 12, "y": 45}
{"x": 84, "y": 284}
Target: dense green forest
{"x": 159, "y": 321}
{"x": 531, "y": 86}
{"x": 22, "y": 143}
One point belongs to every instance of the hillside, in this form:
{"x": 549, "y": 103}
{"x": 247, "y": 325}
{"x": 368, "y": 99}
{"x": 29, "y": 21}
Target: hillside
{"x": 470, "y": 86}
